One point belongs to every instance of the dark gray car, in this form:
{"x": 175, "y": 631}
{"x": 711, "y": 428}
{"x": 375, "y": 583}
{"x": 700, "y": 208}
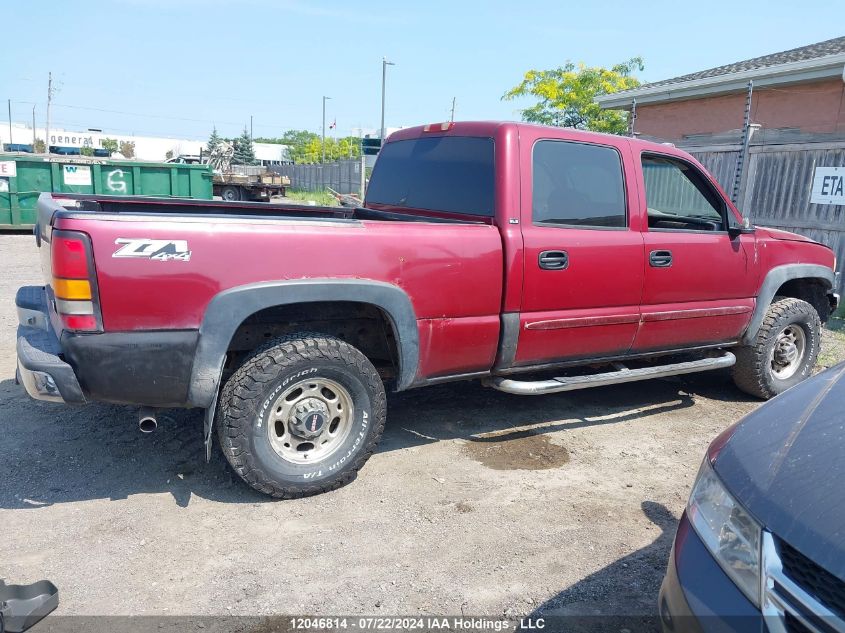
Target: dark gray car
{"x": 764, "y": 531}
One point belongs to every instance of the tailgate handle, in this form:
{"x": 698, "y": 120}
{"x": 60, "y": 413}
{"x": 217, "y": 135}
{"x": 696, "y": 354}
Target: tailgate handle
{"x": 660, "y": 259}
{"x": 554, "y": 260}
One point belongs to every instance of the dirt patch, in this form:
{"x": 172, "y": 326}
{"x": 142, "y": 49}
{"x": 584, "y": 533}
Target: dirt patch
{"x": 522, "y": 450}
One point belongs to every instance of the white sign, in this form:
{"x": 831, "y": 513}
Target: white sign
{"x": 8, "y": 168}
{"x": 4, "y": 185}
{"x": 77, "y": 175}
{"x": 828, "y": 186}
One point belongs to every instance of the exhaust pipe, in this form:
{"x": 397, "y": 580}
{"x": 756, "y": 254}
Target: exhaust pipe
{"x": 147, "y": 422}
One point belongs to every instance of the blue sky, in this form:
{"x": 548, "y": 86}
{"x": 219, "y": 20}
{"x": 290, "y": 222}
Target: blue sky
{"x": 177, "y": 67}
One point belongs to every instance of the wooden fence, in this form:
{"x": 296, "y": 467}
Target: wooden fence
{"x": 776, "y": 188}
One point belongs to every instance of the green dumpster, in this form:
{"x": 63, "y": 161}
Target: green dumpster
{"x": 23, "y": 177}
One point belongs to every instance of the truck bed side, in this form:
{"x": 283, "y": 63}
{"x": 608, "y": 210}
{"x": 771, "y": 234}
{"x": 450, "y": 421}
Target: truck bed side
{"x": 451, "y": 274}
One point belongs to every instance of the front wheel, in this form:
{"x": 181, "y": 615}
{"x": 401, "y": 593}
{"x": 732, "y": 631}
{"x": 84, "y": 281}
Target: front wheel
{"x": 784, "y": 351}
{"x": 301, "y": 416}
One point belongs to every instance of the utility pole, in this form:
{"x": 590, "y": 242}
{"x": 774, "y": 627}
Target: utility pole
{"x": 323, "y": 144}
{"x": 10, "y": 120}
{"x": 746, "y": 139}
{"x": 49, "y": 100}
{"x": 363, "y": 165}
{"x": 452, "y": 118}
{"x": 384, "y": 65}
{"x": 632, "y": 119}
{"x": 250, "y": 127}
{"x": 33, "y": 128}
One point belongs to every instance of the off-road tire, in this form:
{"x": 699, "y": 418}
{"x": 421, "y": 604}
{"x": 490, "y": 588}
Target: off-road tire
{"x": 753, "y": 370}
{"x": 243, "y": 414}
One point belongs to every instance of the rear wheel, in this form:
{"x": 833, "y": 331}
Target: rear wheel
{"x": 784, "y": 351}
{"x": 231, "y": 194}
{"x": 301, "y": 416}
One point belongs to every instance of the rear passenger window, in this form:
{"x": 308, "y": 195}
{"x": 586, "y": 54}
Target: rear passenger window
{"x": 575, "y": 184}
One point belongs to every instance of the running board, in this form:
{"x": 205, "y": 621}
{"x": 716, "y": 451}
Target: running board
{"x": 622, "y": 374}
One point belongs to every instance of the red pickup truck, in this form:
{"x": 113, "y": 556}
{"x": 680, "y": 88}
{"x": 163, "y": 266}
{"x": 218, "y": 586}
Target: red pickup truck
{"x": 483, "y": 250}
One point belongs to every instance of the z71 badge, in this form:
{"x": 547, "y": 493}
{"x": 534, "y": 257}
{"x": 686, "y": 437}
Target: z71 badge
{"x": 161, "y": 250}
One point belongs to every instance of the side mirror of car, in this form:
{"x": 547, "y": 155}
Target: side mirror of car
{"x": 22, "y": 606}
{"x": 740, "y": 228}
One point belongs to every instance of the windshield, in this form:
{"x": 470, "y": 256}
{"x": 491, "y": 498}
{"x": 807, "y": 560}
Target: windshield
{"x": 440, "y": 173}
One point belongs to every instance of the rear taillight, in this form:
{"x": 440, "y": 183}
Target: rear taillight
{"x": 75, "y": 281}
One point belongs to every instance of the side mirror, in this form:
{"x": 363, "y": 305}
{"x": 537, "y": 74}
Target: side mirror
{"x": 743, "y": 228}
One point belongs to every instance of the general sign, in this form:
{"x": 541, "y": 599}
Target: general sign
{"x": 828, "y": 186}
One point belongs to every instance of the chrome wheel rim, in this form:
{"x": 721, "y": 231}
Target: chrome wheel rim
{"x": 788, "y": 351}
{"x": 310, "y": 420}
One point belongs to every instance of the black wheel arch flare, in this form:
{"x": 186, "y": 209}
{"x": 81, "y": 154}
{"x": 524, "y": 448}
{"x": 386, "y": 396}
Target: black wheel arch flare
{"x": 230, "y": 308}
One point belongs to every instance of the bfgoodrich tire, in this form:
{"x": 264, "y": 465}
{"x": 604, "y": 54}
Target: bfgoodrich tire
{"x": 301, "y": 416}
{"x": 784, "y": 351}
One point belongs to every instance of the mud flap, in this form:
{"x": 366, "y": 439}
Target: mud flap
{"x": 208, "y": 422}
{"x": 208, "y": 426}
{"x": 22, "y": 606}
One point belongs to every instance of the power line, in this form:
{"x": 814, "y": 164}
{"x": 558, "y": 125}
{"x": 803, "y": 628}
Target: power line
{"x": 161, "y": 116}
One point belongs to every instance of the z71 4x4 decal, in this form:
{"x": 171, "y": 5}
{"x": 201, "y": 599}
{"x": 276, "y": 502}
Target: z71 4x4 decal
{"x": 161, "y": 250}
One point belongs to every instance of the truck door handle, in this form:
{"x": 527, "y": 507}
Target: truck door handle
{"x": 554, "y": 260}
{"x": 660, "y": 259}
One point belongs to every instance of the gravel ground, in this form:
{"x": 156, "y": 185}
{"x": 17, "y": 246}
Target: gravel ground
{"x": 477, "y": 502}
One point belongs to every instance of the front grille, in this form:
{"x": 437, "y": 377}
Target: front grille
{"x": 794, "y": 625}
{"x": 815, "y": 580}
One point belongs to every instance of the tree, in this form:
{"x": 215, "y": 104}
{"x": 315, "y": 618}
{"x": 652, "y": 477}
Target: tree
{"x": 39, "y": 146}
{"x": 110, "y": 144}
{"x": 244, "y": 150}
{"x": 86, "y": 150}
{"x": 213, "y": 141}
{"x": 566, "y": 95}
{"x": 306, "y": 147}
{"x": 168, "y": 154}
{"x": 127, "y": 148}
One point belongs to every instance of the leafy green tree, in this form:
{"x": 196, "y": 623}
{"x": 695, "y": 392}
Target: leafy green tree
{"x": 110, "y": 144}
{"x": 298, "y": 137}
{"x": 213, "y": 141}
{"x": 39, "y": 146}
{"x": 127, "y": 148}
{"x": 86, "y": 150}
{"x": 565, "y": 95}
{"x": 244, "y": 150}
{"x": 306, "y": 147}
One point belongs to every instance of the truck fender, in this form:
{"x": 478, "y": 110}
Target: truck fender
{"x": 228, "y": 309}
{"x": 774, "y": 279}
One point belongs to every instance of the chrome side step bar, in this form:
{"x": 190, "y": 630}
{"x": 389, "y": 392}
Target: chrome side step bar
{"x": 622, "y": 374}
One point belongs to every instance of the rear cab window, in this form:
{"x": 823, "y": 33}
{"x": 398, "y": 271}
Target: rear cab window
{"x": 446, "y": 174}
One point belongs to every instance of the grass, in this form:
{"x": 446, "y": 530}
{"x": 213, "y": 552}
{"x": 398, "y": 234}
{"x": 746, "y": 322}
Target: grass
{"x": 833, "y": 344}
{"x": 836, "y": 323}
{"x": 320, "y": 198}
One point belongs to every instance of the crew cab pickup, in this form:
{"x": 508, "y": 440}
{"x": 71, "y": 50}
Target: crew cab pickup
{"x": 483, "y": 250}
